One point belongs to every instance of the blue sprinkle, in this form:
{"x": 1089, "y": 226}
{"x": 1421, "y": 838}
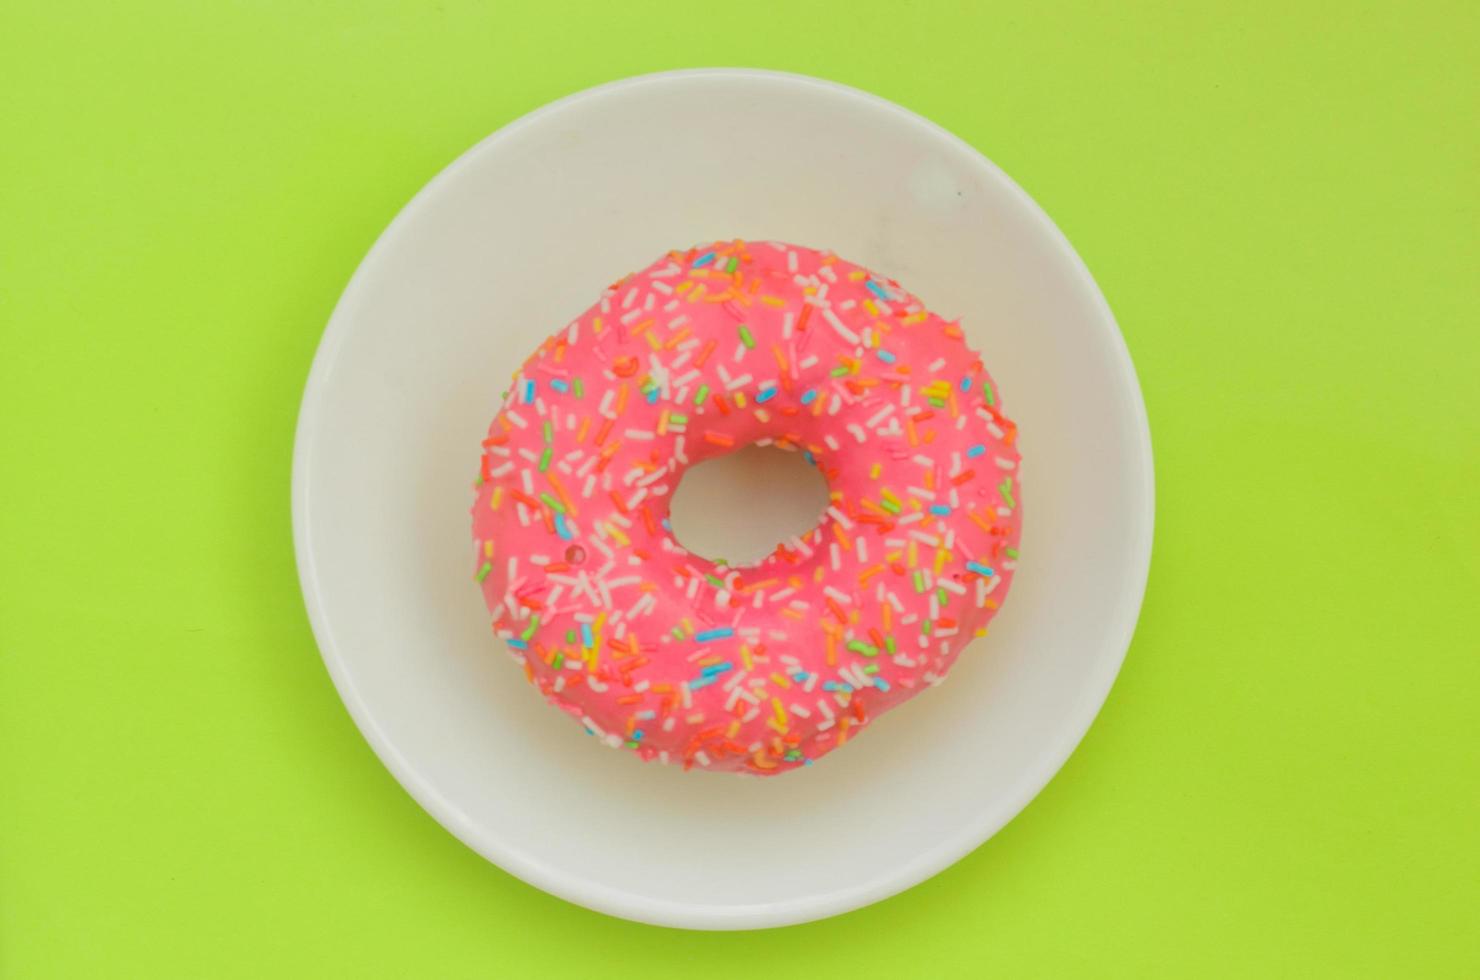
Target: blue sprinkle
{"x": 877, "y": 290}
{"x": 529, "y": 392}
{"x": 975, "y": 451}
{"x": 940, "y": 509}
{"x": 563, "y": 529}
{"x": 801, "y": 676}
{"x": 704, "y": 681}
{"x": 765, "y": 395}
{"x": 809, "y": 457}
{"x": 835, "y": 686}
{"x": 966, "y": 384}
{"x": 637, "y": 732}
{"x": 885, "y": 356}
{"x": 703, "y": 260}
{"x": 652, "y": 397}
{"x": 715, "y": 669}
{"x": 587, "y": 640}
{"x": 667, "y": 524}
{"x": 719, "y": 633}
{"x": 560, "y": 385}
{"x": 809, "y": 396}
{"x": 881, "y": 684}
{"x": 979, "y": 568}
{"x": 517, "y": 643}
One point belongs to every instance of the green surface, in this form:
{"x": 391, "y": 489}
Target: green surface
{"x": 1280, "y": 202}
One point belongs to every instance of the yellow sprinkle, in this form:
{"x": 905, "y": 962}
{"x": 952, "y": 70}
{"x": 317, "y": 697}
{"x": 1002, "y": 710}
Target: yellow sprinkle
{"x": 856, "y": 275}
{"x": 873, "y": 310}
{"x": 496, "y": 499}
{"x": 684, "y": 286}
{"x": 914, "y": 553}
{"x": 781, "y": 680}
{"x": 780, "y": 710}
{"x": 739, "y": 399}
{"x": 488, "y": 549}
{"x": 745, "y": 657}
{"x": 873, "y": 471}
{"x": 940, "y": 561}
{"x": 734, "y": 729}
{"x": 773, "y": 300}
{"x": 616, "y": 532}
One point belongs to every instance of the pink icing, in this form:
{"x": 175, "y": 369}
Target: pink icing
{"x": 764, "y": 667}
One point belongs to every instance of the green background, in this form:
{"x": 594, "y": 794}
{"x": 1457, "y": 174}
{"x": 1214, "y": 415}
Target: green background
{"x": 1279, "y": 200}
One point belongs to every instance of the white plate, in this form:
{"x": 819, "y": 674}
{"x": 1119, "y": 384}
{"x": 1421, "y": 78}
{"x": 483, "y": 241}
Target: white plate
{"x": 505, "y": 246}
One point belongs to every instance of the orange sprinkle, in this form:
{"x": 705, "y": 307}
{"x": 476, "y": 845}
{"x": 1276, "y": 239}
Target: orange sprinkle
{"x": 560, "y": 491}
{"x": 704, "y": 353}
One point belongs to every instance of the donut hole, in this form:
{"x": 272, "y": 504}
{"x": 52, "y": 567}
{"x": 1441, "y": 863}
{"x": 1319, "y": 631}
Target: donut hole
{"x": 740, "y": 506}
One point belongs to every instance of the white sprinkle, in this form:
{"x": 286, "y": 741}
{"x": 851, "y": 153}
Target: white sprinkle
{"x": 837, "y": 325}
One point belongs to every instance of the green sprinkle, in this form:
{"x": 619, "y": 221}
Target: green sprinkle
{"x": 554, "y": 504}
{"x": 534, "y": 624}
{"x": 549, "y": 431}
{"x": 937, "y": 402}
{"x": 678, "y": 632}
{"x": 942, "y": 595}
{"x": 987, "y": 392}
{"x": 579, "y": 387}
{"x": 545, "y": 459}
{"x": 559, "y": 661}
{"x": 838, "y": 371}
{"x": 731, "y": 265}
{"x": 919, "y": 581}
{"x": 1011, "y": 553}
{"x": 867, "y": 650}
{"x": 1005, "y": 488}
{"x": 889, "y": 643}
{"x": 870, "y": 668}
{"x": 570, "y": 636}
{"x": 483, "y": 572}
{"x": 925, "y": 627}
{"x": 701, "y": 394}
{"x": 745, "y": 336}
{"x": 890, "y": 506}
{"x": 678, "y": 419}
{"x": 715, "y": 581}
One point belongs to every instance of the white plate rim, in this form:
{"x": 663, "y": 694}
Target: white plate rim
{"x": 617, "y": 902}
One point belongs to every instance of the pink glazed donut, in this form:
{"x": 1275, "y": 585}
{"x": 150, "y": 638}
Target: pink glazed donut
{"x": 763, "y": 667}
